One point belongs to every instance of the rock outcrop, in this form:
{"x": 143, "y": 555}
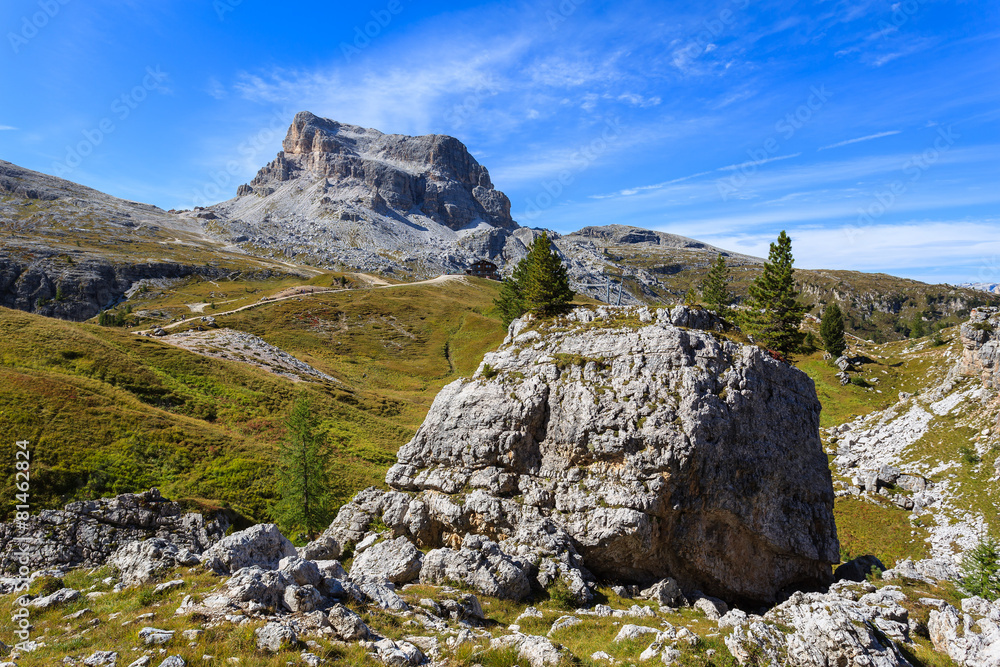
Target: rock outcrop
{"x": 852, "y": 625}
{"x": 630, "y": 444}
{"x": 89, "y": 532}
{"x": 433, "y": 173}
{"x": 981, "y": 343}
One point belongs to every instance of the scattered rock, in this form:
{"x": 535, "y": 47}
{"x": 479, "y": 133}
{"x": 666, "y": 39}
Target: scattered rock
{"x": 262, "y": 545}
{"x": 665, "y": 592}
{"x": 275, "y": 637}
{"x": 564, "y": 622}
{"x": 302, "y": 598}
{"x": 255, "y": 584}
{"x": 155, "y": 636}
{"x": 101, "y": 658}
{"x": 396, "y": 560}
{"x": 346, "y": 624}
{"x": 61, "y": 596}
{"x": 537, "y": 651}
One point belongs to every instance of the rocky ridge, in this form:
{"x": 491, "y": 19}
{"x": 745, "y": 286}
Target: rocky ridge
{"x": 89, "y": 532}
{"x": 70, "y": 251}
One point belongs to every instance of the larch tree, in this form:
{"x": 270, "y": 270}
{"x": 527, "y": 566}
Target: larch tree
{"x": 303, "y": 484}
{"x": 539, "y": 284}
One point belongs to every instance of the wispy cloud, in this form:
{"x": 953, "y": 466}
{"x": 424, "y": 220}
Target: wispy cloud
{"x": 860, "y": 139}
{"x": 916, "y": 248}
{"x": 757, "y": 163}
{"x": 7, "y": 127}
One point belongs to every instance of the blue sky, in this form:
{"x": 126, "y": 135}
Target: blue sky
{"x": 868, "y": 130}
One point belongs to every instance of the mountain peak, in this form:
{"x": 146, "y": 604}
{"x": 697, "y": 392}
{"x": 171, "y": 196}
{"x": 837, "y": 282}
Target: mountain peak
{"x": 368, "y": 173}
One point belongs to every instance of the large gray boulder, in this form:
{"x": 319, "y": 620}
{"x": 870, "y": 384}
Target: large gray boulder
{"x": 142, "y": 562}
{"x": 615, "y": 442}
{"x": 262, "y": 545}
{"x": 396, "y": 560}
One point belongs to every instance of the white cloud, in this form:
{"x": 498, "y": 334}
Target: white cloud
{"x": 757, "y": 163}
{"x": 943, "y": 250}
{"x": 860, "y": 139}
{"x": 7, "y": 127}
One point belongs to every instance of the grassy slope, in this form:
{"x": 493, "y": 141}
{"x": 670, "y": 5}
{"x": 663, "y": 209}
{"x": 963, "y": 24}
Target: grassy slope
{"x": 108, "y": 412}
{"x": 905, "y": 366}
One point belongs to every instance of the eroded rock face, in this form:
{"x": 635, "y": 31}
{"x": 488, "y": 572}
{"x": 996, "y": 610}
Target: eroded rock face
{"x": 616, "y": 443}
{"x": 981, "y": 340}
{"x": 88, "y": 532}
{"x": 435, "y": 172}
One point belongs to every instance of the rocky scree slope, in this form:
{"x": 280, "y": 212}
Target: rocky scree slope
{"x": 69, "y": 251}
{"x": 624, "y": 443}
{"x": 934, "y": 453}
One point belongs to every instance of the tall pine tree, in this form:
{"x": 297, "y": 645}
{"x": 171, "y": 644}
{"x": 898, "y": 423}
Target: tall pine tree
{"x": 303, "y": 484}
{"x": 539, "y": 284}
{"x": 772, "y": 315}
{"x": 831, "y": 330}
{"x": 510, "y": 303}
{"x": 715, "y": 289}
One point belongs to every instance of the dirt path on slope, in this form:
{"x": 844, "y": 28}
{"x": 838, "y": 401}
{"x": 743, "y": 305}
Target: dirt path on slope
{"x": 310, "y": 290}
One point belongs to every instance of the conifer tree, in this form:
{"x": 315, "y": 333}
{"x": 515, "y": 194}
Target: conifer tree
{"x": 831, "y": 329}
{"x": 303, "y": 484}
{"x": 715, "y": 289}
{"x": 546, "y": 285}
{"x": 772, "y": 315}
{"x": 981, "y": 569}
{"x": 510, "y": 303}
{"x": 539, "y": 284}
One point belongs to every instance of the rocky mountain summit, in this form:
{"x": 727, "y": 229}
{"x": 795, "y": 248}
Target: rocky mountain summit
{"x": 626, "y": 444}
{"x": 356, "y": 197}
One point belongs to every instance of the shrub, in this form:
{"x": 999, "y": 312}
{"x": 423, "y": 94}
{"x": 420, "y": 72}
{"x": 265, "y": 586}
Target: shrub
{"x": 46, "y": 585}
{"x": 561, "y": 596}
{"x": 969, "y": 455}
{"x": 489, "y": 372}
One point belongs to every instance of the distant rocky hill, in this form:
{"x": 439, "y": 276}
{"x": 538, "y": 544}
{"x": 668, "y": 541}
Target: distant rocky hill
{"x": 70, "y": 251}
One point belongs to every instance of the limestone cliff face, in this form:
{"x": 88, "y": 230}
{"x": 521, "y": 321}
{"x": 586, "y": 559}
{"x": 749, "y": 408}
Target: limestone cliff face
{"x": 629, "y": 444}
{"x": 434, "y": 174}
{"x": 981, "y": 340}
